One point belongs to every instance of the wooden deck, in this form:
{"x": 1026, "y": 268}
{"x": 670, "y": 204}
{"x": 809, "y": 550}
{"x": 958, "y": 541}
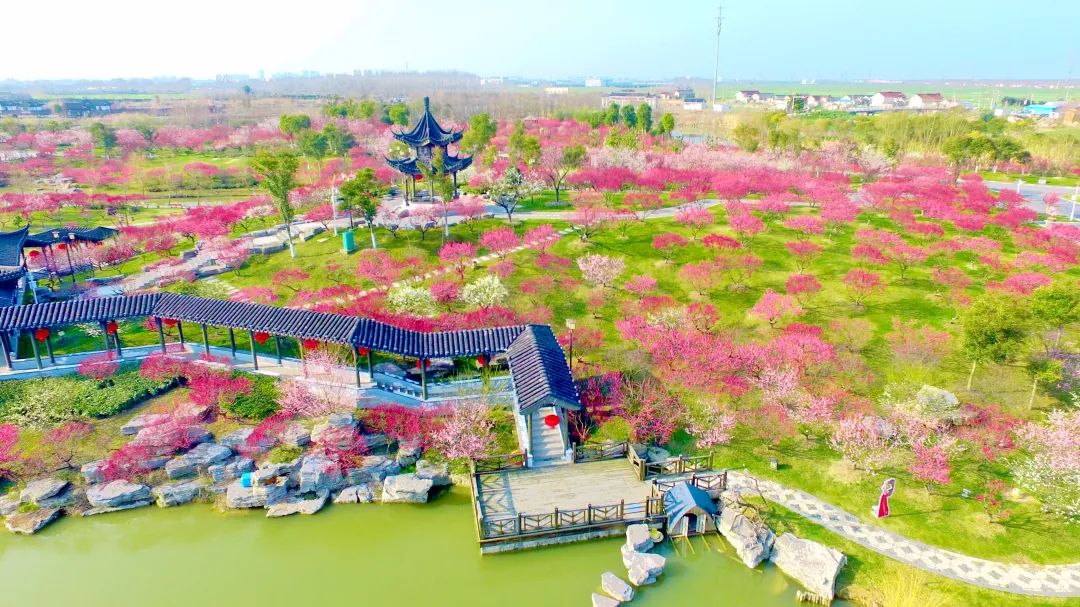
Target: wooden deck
{"x": 563, "y": 487}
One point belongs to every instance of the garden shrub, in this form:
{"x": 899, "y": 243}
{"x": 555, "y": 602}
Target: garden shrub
{"x": 284, "y": 455}
{"x": 261, "y": 402}
{"x": 49, "y": 401}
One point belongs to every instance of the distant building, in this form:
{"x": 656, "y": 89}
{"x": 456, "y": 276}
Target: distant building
{"x": 888, "y": 99}
{"x": 1043, "y": 110}
{"x": 85, "y": 108}
{"x": 594, "y": 83}
{"x": 556, "y": 90}
{"x": 22, "y": 106}
{"x": 630, "y": 98}
{"x": 926, "y": 101}
{"x": 693, "y": 104}
{"x": 819, "y": 101}
{"x": 491, "y": 81}
{"x": 748, "y": 96}
{"x": 685, "y": 94}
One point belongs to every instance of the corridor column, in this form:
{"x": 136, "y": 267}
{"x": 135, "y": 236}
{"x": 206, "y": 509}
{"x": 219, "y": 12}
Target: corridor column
{"x": 254, "y": 355}
{"x": 160, "y": 333}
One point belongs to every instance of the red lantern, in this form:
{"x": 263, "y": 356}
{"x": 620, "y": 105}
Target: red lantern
{"x": 168, "y": 322}
{"x": 99, "y": 244}
{"x": 481, "y": 360}
{"x": 260, "y": 337}
{"x": 35, "y": 254}
{"x": 362, "y": 351}
{"x": 551, "y": 421}
{"x": 111, "y": 327}
{"x": 41, "y": 334}
{"x": 427, "y": 363}
{"x": 62, "y": 246}
{"x": 310, "y": 344}
{"x": 419, "y": 177}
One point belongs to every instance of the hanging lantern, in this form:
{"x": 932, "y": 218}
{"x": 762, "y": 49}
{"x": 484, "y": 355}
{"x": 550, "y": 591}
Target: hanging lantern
{"x": 261, "y": 337}
{"x": 551, "y": 421}
{"x": 99, "y": 244}
{"x": 168, "y": 322}
{"x": 111, "y": 327}
{"x": 35, "y": 254}
{"x": 41, "y": 334}
{"x": 362, "y": 351}
{"x": 419, "y": 177}
{"x": 481, "y": 360}
{"x": 310, "y": 344}
{"x": 62, "y": 246}
{"x": 427, "y": 363}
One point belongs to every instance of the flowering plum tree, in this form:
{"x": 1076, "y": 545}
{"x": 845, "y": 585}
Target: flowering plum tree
{"x": 500, "y": 240}
{"x": 459, "y": 255}
{"x": 601, "y": 270}
{"x": 467, "y": 432}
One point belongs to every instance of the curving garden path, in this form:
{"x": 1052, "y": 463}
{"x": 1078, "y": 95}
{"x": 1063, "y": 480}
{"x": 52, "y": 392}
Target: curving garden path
{"x": 1034, "y": 580}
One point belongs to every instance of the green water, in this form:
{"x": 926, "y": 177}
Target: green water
{"x": 393, "y": 554}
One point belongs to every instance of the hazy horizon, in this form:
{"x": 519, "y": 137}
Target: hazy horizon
{"x": 836, "y": 40}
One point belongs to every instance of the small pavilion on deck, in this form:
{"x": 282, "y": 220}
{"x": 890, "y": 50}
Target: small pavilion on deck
{"x": 424, "y": 139}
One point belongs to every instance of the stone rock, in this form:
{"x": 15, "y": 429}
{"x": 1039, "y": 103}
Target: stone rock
{"x": 143, "y": 420}
{"x": 106, "y": 510}
{"x": 117, "y": 493}
{"x": 91, "y": 472}
{"x": 29, "y": 523}
{"x": 296, "y": 435}
{"x": 599, "y": 600}
{"x": 439, "y": 474}
{"x": 356, "y": 494}
{"x": 638, "y": 538}
{"x": 192, "y": 413}
{"x": 180, "y": 467}
{"x": 298, "y": 506}
{"x": 376, "y": 442}
{"x": 162, "y": 439}
{"x": 318, "y": 473}
{"x": 334, "y": 422}
{"x": 751, "y": 542}
{"x": 374, "y": 468}
{"x": 237, "y": 439}
{"x": 408, "y": 453}
{"x": 9, "y": 503}
{"x": 645, "y": 568}
{"x": 208, "y": 453}
{"x": 618, "y": 589}
{"x": 256, "y": 496}
{"x": 61, "y": 500}
{"x": 406, "y": 488}
{"x": 628, "y": 554}
{"x": 656, "y": 454}
{"x": 811, "y": 564}
{"x": 42, "y": 488}
{"x": 231, "y": 469}
{"x": 174, "y": 494}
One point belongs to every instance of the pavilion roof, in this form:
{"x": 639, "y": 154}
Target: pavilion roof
{"x": 11, "y": 246}
{"x": 9, "y": 285}
{"x": 409, "y": 167}
{"x": 684, "y": 498}
{"x": 428, "y": 131}
{"x": 46, "y": 237}
{"x": 539, "y": 371}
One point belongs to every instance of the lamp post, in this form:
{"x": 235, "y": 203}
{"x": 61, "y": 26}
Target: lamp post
{"x": 571, "y": 324}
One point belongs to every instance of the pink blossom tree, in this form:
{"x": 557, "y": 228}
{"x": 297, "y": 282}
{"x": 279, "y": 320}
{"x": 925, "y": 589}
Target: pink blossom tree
{"x": 667, "y": 243}
{"x": 601, "y": 270}
{"x": 863, "y": 441}
{"x": 694, "y": 219}
{"x": 862, "y": 285}
{"x": 500, "y": 241}
{"x": 467, "y": 432}
{"x": 802, "y": 287}
{"x": 458, "y": 254}
{"x": 774, "y": 307}
{"x": 99, "y": 366}
{"x": 931, "y": 465}
{"x": 804, "y": 252}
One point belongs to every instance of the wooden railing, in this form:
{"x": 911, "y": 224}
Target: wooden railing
{"x": 577, "y": 519}
{"x": 637, "y": 462}
{"x": 710, "y": 483}
{"x": 594, "y": 452}
{"x": 498, "y": 463}
{"x": 679, "y": 465}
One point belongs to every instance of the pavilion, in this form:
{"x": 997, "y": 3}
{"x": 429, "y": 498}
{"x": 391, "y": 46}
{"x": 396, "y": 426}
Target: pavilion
{"x": 540, "y": 378}
{"x": 13, "y": 256}
{"x": 424, "y": 138}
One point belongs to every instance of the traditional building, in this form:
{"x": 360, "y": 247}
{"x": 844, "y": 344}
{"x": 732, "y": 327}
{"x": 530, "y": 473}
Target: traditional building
{"x": 424, "y": 138}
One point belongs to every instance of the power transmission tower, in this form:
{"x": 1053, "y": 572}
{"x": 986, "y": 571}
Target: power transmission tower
{"x": 716, "y": 69}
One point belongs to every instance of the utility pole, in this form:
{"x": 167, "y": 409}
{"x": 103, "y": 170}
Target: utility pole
{"x": 716, "y": 68}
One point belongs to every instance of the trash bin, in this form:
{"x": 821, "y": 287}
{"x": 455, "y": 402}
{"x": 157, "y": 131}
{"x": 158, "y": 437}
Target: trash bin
{"x": 348, "y": 241}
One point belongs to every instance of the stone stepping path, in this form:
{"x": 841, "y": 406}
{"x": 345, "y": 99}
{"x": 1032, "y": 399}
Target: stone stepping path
{"x": 217, "y": 282}
{"x": 1034, "y": 580}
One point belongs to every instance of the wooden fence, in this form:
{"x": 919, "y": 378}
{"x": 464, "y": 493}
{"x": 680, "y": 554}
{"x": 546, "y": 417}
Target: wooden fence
{"x": 498, "y": 463}
{"x": 594, "y": 452}
{"x": 675, "y": 465}
{"x": 573, "y": 520}
{"x": 712, "y": 483}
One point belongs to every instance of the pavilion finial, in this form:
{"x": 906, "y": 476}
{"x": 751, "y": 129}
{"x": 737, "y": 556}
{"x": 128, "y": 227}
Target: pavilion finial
{"x": 427, "y": 104}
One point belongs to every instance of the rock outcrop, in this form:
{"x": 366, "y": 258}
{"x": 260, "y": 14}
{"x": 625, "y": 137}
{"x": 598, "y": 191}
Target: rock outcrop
{"x": 257, "y": 496}
{"x": 752, "y": 542}
{"x": 29, "y": 523}
{"x": 298, "y": 505}
{"x": 645, "y": 568}
{"x": 175, "y": 494}
{"x": 406, "y": 488}
{"x": 616, "y": 587}
{"x": 811, "y": 564}
{"x": 117, "y": 493}
{"x": 42, "y": 489}
{"x": 438, "y": 474}
{"x": 374, "y": 468}
{"x": 638, "y": 538}
{"x": 356, "y": 494}
{"x": 319, "y": 473}
{"x": 91, "y": 472}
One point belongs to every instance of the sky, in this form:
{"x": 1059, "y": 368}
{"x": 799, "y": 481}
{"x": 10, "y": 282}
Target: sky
{"x": 761, "y": 40}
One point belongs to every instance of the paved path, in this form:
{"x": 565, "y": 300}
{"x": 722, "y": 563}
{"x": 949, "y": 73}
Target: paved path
{"x": 1035, "y": 580}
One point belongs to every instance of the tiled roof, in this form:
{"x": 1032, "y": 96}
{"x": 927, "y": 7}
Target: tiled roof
{"x": 539, "y": 370}
{"x": 57, "y": 313}
{"x": 11, "y": 246}
{"x": 9, "y": 285}
{"x": 46, "y": 237}
{"x": 304, "y": 324}
{"x": 428, "y": 130}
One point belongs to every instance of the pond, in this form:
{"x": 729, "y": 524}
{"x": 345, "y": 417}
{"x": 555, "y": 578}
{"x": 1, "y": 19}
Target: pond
{"x": 393, "y": 554}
